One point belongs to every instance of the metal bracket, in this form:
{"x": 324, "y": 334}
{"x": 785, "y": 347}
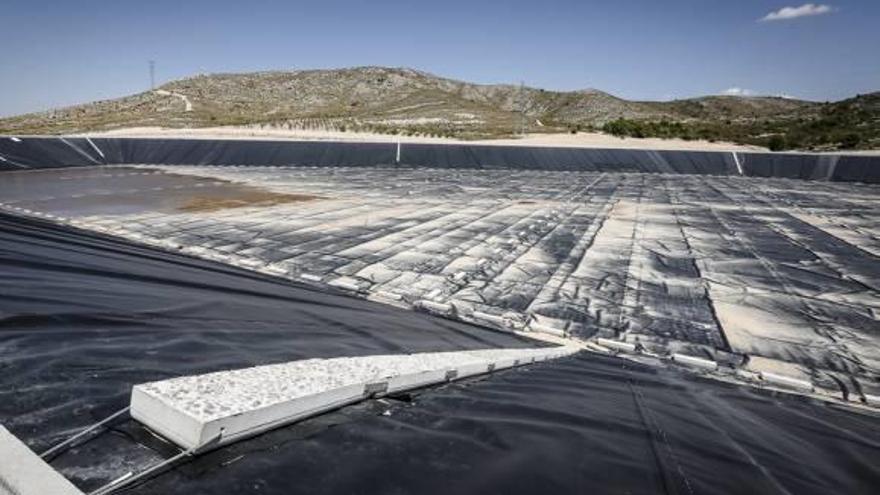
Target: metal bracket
{"x": 373, "y": 389}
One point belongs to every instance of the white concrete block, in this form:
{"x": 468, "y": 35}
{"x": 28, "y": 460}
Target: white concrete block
{"x": 539, "y": 327}
{"x": 617, "y": 345}
{"x": 472, "y": 369}
{"x": 273, "y": 269}
{"x": 746, "y": 375}
{"x": 246, "y": 263}
{"x": 416, "y": 380}
{"x": 695, "y": 362}
{"x": 193, "y": 410}
{"x": 786, "y": 381}
{"x": 347, "y": 283}
{"x": 434, "y": 307}
{"x": 488, "y": 318}
{"x": 504, "y": 363}
{"x": 385, "y": 295}
{"x": 514, "y": 320}
{"x": 22, "y": 472}
{"x": 433, "y": 294}
{"x": 200, "y": 250}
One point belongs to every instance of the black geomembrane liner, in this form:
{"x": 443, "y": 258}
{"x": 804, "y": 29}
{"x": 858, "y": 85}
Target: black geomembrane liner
{"x": 38, "y": 152}
{"x": 83, "y": 317}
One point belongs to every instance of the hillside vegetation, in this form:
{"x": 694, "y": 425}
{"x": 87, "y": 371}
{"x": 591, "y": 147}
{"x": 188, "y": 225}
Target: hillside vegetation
{"x": 395, "y": 101}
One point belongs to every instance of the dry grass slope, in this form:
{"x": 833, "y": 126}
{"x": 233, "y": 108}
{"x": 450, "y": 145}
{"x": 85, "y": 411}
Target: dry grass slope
{"x": 406, "y": 101}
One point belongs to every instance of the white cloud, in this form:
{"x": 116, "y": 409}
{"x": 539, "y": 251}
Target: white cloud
{"x": 807, "y": 9}
{"x": 738, "y": 92}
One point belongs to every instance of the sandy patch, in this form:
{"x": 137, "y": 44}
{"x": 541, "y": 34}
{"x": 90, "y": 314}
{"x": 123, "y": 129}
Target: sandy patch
{"x": 243, "y": 199}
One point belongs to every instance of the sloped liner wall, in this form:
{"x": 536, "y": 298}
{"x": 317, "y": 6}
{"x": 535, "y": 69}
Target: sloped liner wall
{"x": 40, "y": 152}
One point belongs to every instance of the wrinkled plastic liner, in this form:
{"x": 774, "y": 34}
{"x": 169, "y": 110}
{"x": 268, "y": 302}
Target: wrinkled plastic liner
{"x": 588, "y": 424}
{"x": 84, "y": 317}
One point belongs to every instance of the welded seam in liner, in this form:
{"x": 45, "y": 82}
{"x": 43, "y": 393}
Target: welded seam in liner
{"x": 16, "y": 164}
{"x": 81, "y": 152}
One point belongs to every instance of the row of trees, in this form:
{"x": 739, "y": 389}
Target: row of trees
{"x": 826, "y": 132}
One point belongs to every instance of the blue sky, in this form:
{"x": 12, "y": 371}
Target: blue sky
{"x": 60, "y": 53}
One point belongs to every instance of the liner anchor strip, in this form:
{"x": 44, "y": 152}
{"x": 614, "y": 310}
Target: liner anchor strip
{"x": 203, "y": 412}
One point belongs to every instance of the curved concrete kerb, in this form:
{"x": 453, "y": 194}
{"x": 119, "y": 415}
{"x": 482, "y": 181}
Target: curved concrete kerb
{"x": 240, "y": 403}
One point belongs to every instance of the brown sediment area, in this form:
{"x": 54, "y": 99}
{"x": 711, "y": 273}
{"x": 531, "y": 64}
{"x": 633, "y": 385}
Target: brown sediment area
{"x": 242, "y": 199}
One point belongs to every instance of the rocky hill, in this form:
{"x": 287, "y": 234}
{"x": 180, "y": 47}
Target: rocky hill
{"x": 394, "y": 100}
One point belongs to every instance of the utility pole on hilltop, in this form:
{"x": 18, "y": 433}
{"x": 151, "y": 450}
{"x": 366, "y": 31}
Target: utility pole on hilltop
{"x": 522, "y": 108}
{"x": 152, "y": 75}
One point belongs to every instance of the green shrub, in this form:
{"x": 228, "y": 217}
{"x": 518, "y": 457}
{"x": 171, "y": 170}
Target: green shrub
{"x": 777, "y": 143}
{"x": 850, "y": 140}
